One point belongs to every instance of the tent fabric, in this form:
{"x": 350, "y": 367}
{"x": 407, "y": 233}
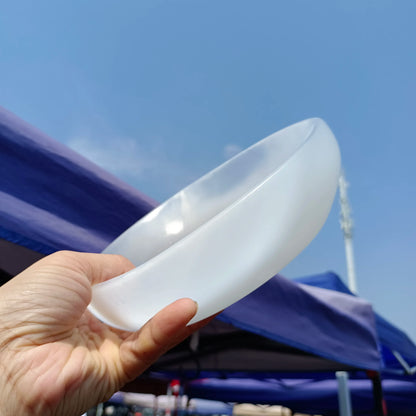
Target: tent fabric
{"x": 273, "y": 312}
{"x": 391, "y": 338}
{"x": 308, "y": 395}
{"x": 325, "y": 331}
{"x": 53, "y": 199}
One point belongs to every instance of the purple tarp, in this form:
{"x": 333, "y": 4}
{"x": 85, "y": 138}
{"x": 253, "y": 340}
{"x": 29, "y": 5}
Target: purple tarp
{"x": 52, "y": 198}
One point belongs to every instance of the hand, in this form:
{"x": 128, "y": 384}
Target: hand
{"x": 58, "y": 359}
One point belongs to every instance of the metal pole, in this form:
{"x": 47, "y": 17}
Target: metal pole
{"x": 347, "y": 226}
{"x": 344, "y": 397}
{"x": 379, "y": 402}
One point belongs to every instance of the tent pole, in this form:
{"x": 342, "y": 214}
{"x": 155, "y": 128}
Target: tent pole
{"x": 408, "y": 370}
{"x": 379, "y": 402}
{"x": 344, "y": 396}
{"x": 347, "y": 228}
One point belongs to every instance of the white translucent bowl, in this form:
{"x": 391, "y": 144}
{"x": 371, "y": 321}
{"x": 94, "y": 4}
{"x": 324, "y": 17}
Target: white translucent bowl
{"x": 227, "y": 233}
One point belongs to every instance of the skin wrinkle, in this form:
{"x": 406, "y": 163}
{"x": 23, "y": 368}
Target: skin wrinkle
{"x": 63, "y": 379}
{"x": 9, "y": 382}
{"x": 68, "y": 380}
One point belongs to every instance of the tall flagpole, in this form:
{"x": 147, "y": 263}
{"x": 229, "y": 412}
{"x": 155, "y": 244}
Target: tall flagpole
{"x": 347, "y": 226}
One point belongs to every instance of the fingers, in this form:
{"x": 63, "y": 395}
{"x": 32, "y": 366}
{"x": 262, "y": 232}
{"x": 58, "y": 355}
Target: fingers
{"x": 162, "y": 332}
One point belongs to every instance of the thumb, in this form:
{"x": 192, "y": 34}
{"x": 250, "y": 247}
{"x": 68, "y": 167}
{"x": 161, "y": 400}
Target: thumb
{"x": 165, "y": 330}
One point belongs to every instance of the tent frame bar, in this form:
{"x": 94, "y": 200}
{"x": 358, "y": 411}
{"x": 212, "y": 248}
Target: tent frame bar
{"x": 408, "y": 370}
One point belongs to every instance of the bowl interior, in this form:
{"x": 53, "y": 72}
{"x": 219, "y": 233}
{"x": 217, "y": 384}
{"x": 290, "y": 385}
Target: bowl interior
{"x": 210, "y": 195}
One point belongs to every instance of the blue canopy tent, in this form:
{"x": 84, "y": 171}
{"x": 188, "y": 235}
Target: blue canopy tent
{"x": 334, "y": 331}
{"x": 54, "y": 199}
{"x": 398, "y": 350}
{"x": 318, "y": 392}
{"x": 308, "y": 395}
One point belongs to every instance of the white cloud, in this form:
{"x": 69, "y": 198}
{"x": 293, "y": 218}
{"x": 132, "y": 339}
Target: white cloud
{"x": 146, "y": 166}
{"x": 121, "y": 156}
{"x": 231, "y": 150}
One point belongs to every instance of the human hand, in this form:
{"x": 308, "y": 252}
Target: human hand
{"x": 55, "y": 357}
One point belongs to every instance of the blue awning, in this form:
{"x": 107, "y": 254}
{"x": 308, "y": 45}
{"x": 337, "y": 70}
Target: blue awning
{"x": 391, "y": 338}
{"x": 53, "y": 199}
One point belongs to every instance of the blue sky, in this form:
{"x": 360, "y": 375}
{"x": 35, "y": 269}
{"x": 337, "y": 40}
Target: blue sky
{"x": 160, "y": 92}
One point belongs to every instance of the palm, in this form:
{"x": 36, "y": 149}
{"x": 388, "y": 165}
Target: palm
{"x": 61, "y": 357}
